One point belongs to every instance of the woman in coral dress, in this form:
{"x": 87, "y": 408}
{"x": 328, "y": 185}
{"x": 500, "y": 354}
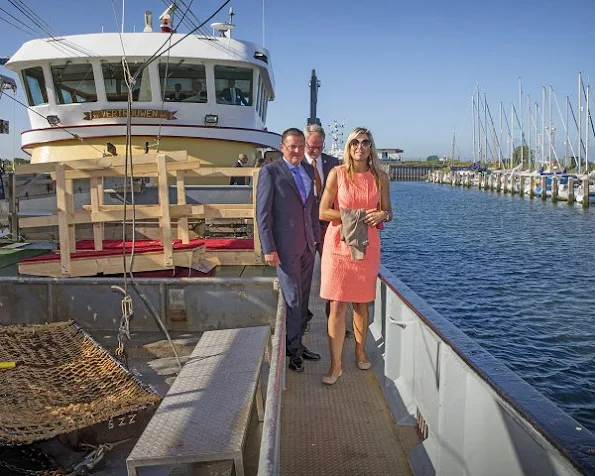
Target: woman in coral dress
{"x": 358, "y": 184}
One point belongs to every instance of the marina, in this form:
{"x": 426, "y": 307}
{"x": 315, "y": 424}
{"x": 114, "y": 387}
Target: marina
{"x": 572, "y": 189}
{"x": 132, "y": 267}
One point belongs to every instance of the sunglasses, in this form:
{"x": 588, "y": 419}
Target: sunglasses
{"x": 366, "y": 144}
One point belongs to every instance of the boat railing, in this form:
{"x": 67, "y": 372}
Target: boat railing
{"x": 472, "y": 413}
{"x": 269, "y": 461}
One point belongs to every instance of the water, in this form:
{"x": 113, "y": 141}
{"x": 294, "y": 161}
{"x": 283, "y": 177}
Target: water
{"x": 516, "y": 275}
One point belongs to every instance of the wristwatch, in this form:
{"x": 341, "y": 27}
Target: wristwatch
{"x": 386, "y": 215}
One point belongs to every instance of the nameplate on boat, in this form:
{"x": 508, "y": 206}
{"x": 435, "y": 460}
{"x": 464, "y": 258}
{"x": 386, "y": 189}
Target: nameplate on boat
{"x": 115, "y": 113}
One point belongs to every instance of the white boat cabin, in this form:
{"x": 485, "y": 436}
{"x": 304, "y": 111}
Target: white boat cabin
{"x": 203, "y": 87}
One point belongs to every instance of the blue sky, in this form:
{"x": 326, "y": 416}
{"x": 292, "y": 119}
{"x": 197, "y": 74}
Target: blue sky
{"x": 404, "y": 69}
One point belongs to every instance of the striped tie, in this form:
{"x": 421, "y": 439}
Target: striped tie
{"x": 317, "y": 180}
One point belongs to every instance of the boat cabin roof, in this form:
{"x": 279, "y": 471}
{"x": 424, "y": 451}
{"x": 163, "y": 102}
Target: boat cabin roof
{"x": 194, "y": 48}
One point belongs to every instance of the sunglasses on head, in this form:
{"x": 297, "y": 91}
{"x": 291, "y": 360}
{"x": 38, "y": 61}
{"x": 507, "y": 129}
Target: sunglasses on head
{"x": 366, "y": 144}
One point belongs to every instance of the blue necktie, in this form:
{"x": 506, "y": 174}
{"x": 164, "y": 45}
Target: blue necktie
{"x": 300, "y": 183}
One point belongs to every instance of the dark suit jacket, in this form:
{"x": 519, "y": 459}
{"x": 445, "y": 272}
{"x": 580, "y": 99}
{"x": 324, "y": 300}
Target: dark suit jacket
{"x": 238, "y": 180}
{"x": 172, "y": 97}
{"x": 285, "y": 224}
{"x": 240, "y": 98}
{"x": 328, "y": 163}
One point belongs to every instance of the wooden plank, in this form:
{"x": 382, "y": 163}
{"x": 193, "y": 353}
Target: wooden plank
{"x": 102, "y": 163}
{"x": 69, "y": 211}
{"x": 181, "y": 196}
{"x": 96, "y": 202}
{"x": 22, "y": 169}
{"x": 193, "y": 169}
{"x": 110, "y": 264}
{"x": 165, "y": 220}
{"x": 113, "y": 213}
{"x": 257, "y": 249}
{"x": 229, "y": 257}
{"x": 62, "y": 221}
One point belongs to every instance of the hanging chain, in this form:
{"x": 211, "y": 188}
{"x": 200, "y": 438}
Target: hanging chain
{"x": 124, "y": 329}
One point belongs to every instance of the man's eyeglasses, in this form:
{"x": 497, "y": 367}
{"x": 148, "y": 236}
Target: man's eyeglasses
{"x": 366, "y": 144}
{"x": 314, "y": 147}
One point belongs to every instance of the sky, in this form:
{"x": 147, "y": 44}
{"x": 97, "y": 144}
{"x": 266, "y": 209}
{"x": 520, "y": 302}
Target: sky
{"x": 407, "y": 69}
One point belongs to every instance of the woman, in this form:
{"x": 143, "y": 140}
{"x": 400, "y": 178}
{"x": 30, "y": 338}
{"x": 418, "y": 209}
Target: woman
{"x": 359, "y": 183}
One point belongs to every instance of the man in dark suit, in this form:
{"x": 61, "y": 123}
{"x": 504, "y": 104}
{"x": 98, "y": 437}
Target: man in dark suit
{"x": 234, "y": 95}
{"x": 287, "y": 218}
{"x": 242, "y": 160}
{"x": 322, "y": 164}
{"x": 177, "y": 95}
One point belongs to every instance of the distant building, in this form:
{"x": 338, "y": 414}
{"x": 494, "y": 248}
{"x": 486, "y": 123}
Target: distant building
{"x": 390, "y": 154}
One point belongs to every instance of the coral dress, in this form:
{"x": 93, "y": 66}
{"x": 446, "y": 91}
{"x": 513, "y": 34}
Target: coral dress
{"x": 343, "y": 279}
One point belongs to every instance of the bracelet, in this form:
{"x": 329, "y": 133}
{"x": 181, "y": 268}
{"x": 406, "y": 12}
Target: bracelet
{"x": 387, "y": 216}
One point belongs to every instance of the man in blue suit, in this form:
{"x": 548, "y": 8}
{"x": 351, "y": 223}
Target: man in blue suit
{"x": 287, "y": 218}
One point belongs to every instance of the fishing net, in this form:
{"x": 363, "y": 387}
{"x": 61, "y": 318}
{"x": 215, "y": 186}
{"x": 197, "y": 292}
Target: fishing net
{"x": 63, "y": 381}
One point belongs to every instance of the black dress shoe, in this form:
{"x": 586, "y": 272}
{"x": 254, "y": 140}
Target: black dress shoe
{"x": 348, "y": 333}
{"x": 309, "y": 355}
{"x": 296, "y": 364}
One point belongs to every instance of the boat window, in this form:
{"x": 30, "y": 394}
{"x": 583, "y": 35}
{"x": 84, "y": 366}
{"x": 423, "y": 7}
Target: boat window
{"x": 263, "y": 101}
{"x": 115, "y": 84}
{"x": 74, "y": 83}
{"x": 259, "y": 94}
{"x": 35, "y": 86}
{"x": 233, "y": 85}
{"x": 183, "y": 82}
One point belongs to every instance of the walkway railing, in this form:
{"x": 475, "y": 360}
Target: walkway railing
{"x": 473, "y": 414}
{"x": 269, "y": 462}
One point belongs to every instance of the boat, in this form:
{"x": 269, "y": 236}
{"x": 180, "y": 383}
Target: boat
{"x": 337, "y": 148}
{"x": 77, "y": 91}
{"x": 435, "y": 402}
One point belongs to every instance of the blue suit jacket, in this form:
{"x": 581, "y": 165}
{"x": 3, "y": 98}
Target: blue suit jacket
{"x": 285, "y": 224}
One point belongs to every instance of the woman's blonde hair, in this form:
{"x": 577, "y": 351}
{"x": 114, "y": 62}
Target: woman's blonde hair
{"x": 373, "y": 160}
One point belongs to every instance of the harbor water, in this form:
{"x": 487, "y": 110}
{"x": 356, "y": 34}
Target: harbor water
{"x": 515, "y": 274}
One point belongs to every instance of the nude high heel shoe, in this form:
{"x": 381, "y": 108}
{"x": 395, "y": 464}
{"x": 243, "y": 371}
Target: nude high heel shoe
{"x": 331, "y": 380}
{"x": 366, "y": 365}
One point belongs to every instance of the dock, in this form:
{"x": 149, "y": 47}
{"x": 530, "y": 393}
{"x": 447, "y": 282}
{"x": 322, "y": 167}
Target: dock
{"x": 570, "y": 188}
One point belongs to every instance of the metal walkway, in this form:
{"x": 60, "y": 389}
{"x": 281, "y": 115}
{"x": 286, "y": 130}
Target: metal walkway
{"x": 338, "y": 430}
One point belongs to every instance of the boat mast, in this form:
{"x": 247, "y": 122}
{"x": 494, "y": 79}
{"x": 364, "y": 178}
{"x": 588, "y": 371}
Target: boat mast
{"x": 566, "y": 132}
{"x": 543, "y": 125}
{"x": 521, "y": 122}
{"x": 587, "y": 118}
{"x": 454, "y": 144}
{"x": 530, "y": 134}
{"x": 580, "y": 122}
{"x": 500, "y": 154}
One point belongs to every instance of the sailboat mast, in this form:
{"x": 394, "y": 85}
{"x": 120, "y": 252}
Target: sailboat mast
{"x": 580, "y": 122}
{"x": 475, "y": 158}
{"x": 530, "y": 134}
{"x": 511, "y": 159}
{"x": 543, "y": 125}
{"x": 587, "y": 118}
{"x": 521, "y": 122}
{"x": 454, "y": 143}
{"x": 500, "y": 155}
